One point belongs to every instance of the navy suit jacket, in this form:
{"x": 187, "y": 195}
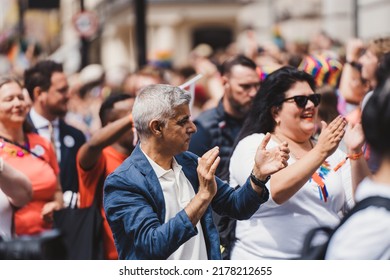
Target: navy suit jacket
{"x": 68, "y": 165}
{"x": 135, "y": 209}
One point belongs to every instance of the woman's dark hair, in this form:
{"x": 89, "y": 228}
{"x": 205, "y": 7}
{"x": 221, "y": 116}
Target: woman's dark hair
{"x": 271, "y": 93}
{"x": 376, "y": 119}
{"x": 327, "y": 110}
{"x": 383, "y": 70}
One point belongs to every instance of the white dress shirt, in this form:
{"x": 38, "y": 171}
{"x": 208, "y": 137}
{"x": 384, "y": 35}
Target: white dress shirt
{"x": 5, "y": 217}
{"x": 42, "y": 126}
{"x": 178, "y": 192}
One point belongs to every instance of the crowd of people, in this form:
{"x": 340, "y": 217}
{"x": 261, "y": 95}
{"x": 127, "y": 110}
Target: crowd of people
{"x": 267, "y": 146}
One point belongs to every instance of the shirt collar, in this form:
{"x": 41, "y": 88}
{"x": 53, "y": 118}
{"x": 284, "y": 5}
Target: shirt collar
{"x": 39, "y": 121}
{"x": 160, "y": 172}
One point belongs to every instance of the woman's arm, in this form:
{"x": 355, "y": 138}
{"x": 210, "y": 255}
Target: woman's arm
{"x": 354, "y": 140}
{"x": 14, "y": 184}
{"x": 286, "y": 182}
{"x": 56, "y": 204}
{"x": 347, "y": 86}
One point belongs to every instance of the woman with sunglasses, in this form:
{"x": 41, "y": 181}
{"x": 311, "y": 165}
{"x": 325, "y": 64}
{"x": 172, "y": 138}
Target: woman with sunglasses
{"x": 317, "y": 185}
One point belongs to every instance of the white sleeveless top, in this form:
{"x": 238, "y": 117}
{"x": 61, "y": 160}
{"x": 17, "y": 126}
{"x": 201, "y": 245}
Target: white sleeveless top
{"x": 5, "y": 216}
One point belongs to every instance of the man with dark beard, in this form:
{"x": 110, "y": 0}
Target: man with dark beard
{"x": 219, "y": 126}
{"x": 48, "y": 88}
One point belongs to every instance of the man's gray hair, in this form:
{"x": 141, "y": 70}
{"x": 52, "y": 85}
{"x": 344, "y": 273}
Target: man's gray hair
{"x": 157, "y": 102}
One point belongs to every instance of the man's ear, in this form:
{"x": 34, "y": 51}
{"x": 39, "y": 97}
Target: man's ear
{"x": 37, "y": 91}
{"x": 225, "y": 80}
{"x": 155, "y": 126}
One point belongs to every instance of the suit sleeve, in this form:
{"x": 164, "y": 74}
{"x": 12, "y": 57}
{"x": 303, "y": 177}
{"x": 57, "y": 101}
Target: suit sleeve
{"x": 130, "y": 208}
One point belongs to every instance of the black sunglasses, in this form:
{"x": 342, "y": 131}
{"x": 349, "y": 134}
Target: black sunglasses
{"x": 301, "y": 100}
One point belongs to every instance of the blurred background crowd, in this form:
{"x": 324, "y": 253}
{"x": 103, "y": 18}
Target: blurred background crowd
{"x": 105, "y": 45}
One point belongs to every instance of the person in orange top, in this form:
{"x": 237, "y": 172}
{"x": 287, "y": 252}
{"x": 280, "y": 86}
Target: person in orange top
{"x": 103, "y": 153}
{"x": 32, "y": 155}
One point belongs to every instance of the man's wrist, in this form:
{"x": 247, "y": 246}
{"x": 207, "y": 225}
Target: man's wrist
{"x": 260, "y": 185}
{"x": 259, "y": 180}
{"x": 204, "y": 197}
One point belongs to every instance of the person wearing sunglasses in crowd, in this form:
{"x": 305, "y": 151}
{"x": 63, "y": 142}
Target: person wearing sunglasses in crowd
{"x": 316, "y": 187}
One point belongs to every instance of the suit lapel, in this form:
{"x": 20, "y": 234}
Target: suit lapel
{"x": 64, "y": 149}
{"x": 31, "y": 124}
{"x": 154, "y": 187}
{"x": 153, "y": 184}
{"x": 188, "y": 164}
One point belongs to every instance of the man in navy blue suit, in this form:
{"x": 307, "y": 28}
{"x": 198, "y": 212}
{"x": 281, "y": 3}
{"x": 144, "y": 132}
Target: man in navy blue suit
{"x": 158, "y": 201}
{"x": 48, "y": 88}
